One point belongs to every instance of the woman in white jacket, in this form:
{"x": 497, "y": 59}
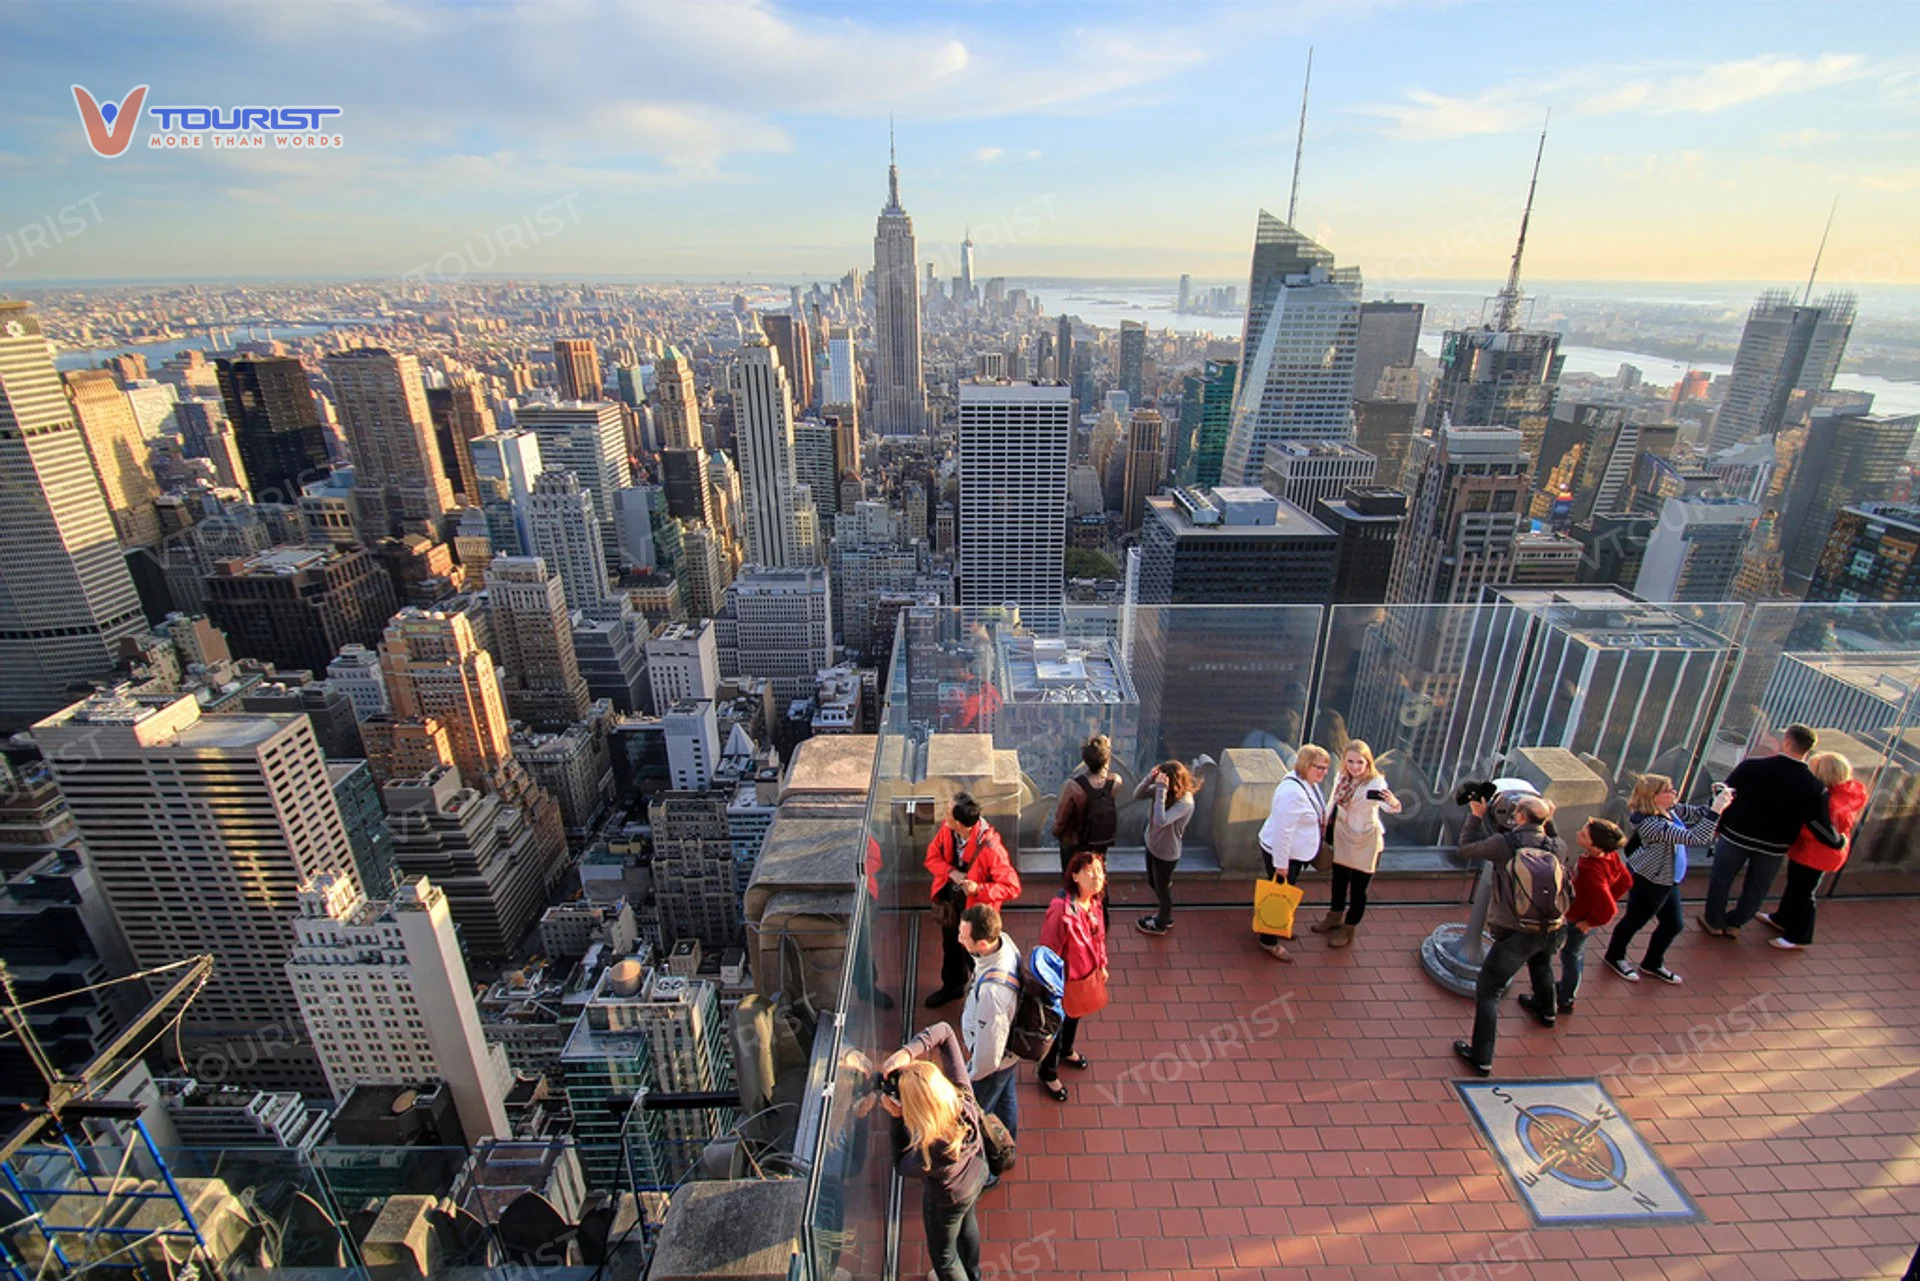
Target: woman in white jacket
{"x": 1358, "y": 837}
{"x": 1295, "y": 827}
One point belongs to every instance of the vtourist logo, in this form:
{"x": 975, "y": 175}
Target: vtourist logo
{"x": 111, "y": 126}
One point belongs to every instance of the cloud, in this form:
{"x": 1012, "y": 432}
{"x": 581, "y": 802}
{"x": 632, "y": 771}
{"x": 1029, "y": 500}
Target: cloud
{"x": 987, "y": 155}
{"x": 1612, "y": 90}
{"x": 1897, "y": 180}
{"x": 685, "y": 134}
{"x": 1805, "y": 137}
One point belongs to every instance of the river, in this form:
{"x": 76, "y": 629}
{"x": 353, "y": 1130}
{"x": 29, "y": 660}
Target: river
{"x": 157, "y": 352}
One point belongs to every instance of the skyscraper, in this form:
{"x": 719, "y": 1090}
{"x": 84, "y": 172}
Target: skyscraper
{"x": 533, "y": 641}
{"x": 1015, "y": 444}
{"x": 1847, "y": 458}
{"x": 505, "y": 466}
{"x": 277, "y": 424}
{"x": 777, "y": 624}
{"x": 576, "y": 368}
{"x": 588, "y": 439}
{"x": 899, "y": 386}
{"x": 119, "y": 452}
{"x": 843, "y": 370}
{"x": 1297, "y": 350}
{"x": 676, "y": 404}
{"x": 461, "y": 415}
{"x": 1304, "y": 472}
{"x": 1389, "y": 335}
{"x": 566, "y": 533}
{"x": 1216, "y": 389}
{"x": 1146, "y": 464}
{"x": 399, "y": 487}
{"x": 1133, "y": 360}
{"x": 792, "y": 339}
{"x": 202, "y": 831}
{"x": 763, "y": 438}
{"x": 1695, "y": 550}
{"x": 296, "y": 607}
{"x": 1500, "y": 375}
{"x": 1469, "y": 505}
{"x": 1873, "y": 554}
{"x": 385, "y": 994}
{"x": 1785, "y": 348}
{"x": 1063, "y": 356}
{"x": 66, "y": 598}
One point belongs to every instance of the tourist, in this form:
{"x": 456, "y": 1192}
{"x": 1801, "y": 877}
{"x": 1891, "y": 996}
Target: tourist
{"x": 1088, "y": 815}
{"x": 1075, "y": 928}
{"x": 1600, "y": 881}
{"x": 1809, "y": 859}
{"x": 1525, "y": 915}
{"x": 1774, "y": 797}
{"x": 1661, "y": 830}
{"x": 1172, "y": 787}
{"x": 938, "y": 1137}
{"x": 987, "y": 1018}
{"x": 969, "y": 867}
{"x": 1296, "y": 826}
{"x": 1358, "y": 837}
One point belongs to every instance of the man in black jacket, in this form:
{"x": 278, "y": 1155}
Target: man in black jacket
{"x": 1773, "y": 798}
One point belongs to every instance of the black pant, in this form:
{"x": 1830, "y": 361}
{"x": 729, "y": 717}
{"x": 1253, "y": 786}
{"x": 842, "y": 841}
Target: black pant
{"x": 1729, "y": 860}
{"x": 1511, "y": 950}
{"x": 1062, "y": 1049}
{"x": 1292, "y": 878}
{"x": 1160, "y": 878}
{"x": 1646, "y": 901}
{"x": 956, "y": 967}
{"x": 1350, "y": 892}
{"x": 1795, "y": 914}
{"x": 953, "y": 1237}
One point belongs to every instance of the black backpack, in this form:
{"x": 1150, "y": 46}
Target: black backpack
{"x": 1537, "y": 885}
{"x": 1100, "y": 817}
{"x": 1037, "y": 1013}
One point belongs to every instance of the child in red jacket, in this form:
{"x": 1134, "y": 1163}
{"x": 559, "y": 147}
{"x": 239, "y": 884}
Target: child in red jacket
{"x": 1600, "y": 881}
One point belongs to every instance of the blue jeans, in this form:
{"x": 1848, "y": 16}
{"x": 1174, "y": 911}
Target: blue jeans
{"x": 1728, "y": 862}
{"x": 1512, "y": 950}
{"x": 995, "y": 1093}
{"x": 1572, "y": 960}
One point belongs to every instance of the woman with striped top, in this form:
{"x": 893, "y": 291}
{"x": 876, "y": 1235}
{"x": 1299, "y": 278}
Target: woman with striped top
{"x": 1660, "y": 832}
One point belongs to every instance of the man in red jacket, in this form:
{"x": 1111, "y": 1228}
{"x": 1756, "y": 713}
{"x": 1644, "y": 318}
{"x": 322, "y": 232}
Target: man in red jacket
{"x": 969, "y": 866}
{"x": 1600, "y": 881}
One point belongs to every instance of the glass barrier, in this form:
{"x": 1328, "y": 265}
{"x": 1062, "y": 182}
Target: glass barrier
{"x": 1851, "y": 673}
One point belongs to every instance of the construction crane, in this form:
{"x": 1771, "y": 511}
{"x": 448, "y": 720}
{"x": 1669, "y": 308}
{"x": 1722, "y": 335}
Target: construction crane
{"x": 78, "y": 1095}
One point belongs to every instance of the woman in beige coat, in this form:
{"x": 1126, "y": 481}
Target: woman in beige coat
{"x": 1358, "y": 837}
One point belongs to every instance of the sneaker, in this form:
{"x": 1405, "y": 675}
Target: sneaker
{"x": 1527, "y": 1003}
{"x": 1277, "y": 952}
{"x": 1464, "y": 1051}
{"x": 1662, "y": 973}
{"x": 1766, "y": 919}
{"x": 1624, "y": 969}
{"x": 1151, "y": 925}
{"x": 1566, "y": 1007}
{"x": 1785, "y": 945}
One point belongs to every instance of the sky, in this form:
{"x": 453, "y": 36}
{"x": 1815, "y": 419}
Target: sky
{"x": 1689, "y": 141}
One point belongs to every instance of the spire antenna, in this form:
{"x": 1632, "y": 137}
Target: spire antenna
{"x": 893, "y": 169}
{"x": 1510, "y": 296}
{"x": 1820, "y": 252}
{"x": 1300, "y": 143}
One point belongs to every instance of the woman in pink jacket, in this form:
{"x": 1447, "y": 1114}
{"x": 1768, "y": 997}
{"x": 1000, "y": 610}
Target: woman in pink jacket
{"x": 1076, "y": 928}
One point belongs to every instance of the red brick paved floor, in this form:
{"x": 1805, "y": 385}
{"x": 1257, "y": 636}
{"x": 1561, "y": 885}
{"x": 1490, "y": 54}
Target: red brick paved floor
{"x": 1334, "y": 1149}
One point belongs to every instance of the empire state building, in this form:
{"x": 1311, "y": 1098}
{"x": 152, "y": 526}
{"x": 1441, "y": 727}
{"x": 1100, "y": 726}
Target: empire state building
{"x": 900, "y": 389}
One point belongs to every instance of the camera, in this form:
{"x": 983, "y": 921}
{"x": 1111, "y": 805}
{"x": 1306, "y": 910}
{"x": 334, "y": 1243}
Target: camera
{"x": 888, "y": 1085}
{"x": 1481, "y": 790}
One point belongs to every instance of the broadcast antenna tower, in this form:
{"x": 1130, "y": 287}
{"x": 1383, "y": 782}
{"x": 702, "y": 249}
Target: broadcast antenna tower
{"x": 1300, "y": 143}
{"x": 1509, "y": 300}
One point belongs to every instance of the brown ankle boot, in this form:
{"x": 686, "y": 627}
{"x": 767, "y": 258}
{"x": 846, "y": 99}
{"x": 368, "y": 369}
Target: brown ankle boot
{"x": 1342, "y": 936}
{"x": 1329, "y": 923}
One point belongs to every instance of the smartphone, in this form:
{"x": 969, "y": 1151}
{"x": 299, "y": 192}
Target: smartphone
{"x": 1376, "y": 794}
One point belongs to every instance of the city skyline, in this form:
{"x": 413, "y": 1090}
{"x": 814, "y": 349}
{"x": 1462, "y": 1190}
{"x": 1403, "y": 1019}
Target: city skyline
{"x": 1014, "y": 123}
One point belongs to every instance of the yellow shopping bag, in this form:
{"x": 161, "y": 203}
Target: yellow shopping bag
{"x": 1274, "y": 903}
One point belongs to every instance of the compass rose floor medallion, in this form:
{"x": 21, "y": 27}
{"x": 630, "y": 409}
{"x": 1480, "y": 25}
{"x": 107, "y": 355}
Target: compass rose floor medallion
{"x": 1572, "y": 1155}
